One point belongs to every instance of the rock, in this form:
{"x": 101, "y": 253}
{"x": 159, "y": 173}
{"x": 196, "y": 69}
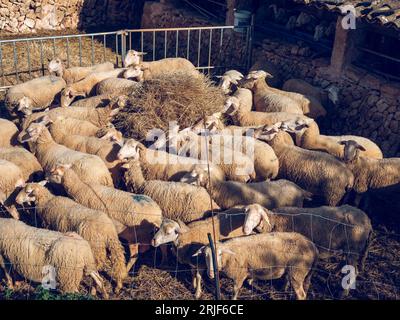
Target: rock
{"x": 30, "y": 23}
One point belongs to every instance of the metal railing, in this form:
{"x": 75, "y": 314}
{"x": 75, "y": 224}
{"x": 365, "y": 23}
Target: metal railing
{"x": 211, "y": 49}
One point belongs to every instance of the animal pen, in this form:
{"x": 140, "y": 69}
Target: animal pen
{"x": 211, "y": 49}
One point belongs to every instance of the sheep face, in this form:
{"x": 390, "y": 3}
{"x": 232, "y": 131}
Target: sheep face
{"x": 169, "y": 232}
{"x": 56, "y": 67}
{"x": 130, "y": 149}
{"x": 57, "y": 173}
{"x": 32, "y": 133}
{"x": 267, "y": 133}
{"x": 134, "y": 73}
{"x": 68, "y": 95}
{"x": 351, "y": 150}
{"x": 210, "y": 123}
{"x": 256, "y": 215}
{"x": 110, "y": 134}
{"x": 296, "y": 126}
{"x": 25, "y": 106}
{"x": 133, "y": 58}
{"x": 29, "y": 193}
{"x": 198, "y": 176}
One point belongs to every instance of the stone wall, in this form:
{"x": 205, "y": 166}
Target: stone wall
{"x": 369, "y": 105}
{"x": 24, "y": 16}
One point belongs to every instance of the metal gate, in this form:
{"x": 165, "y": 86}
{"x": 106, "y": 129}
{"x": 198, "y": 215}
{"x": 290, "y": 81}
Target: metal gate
{"x": 211, "y": 49}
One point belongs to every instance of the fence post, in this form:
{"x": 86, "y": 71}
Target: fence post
{"x": 215, "y": 263}
{"x": 123, "y": 34}
{"x": 250, "y": 44}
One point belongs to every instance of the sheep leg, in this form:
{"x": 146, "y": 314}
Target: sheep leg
{"x": 12, "y": 210}
{"x": 9, "y": 280}
{"x": 133, "y": 250}
{"x": 197, "y": 279}
{"x": 361, "y": 263}
{"x": 238, "y": 283}
{"x": 99, "y": 282}
{"x": 297, "y": 281}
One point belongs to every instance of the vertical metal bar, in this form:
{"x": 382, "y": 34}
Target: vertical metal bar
{"x": 67, "y": 52}
{"x": 1, "y": 65}
{"x": 188, "y": 46}
{"x": 141, "y": 42}
{"x": 54, "y": 48}
{"x": 154, "y": 45}
{"x": 116, "y": 49}
{"x": 15, "y": 61}
{"x": 198, "y": 49}
{"x": 104, "y": 47}
{"x": 130, "y": 40}
{"x": 215, "y": 263}
{"x": 92, "y": 44}
{"x": 177, "y": 43}
{"x": 209, "y": 50}
{"x": 28, "y": 55}
{"x": 123, "y": 45}
{"x": 80, "y": 51}
{"x": 250, "y": 51}
{"x": 41, "y": 57}
{"x": 165, "y": 44}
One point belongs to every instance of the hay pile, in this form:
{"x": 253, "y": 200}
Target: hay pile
{"x": 179, "y": 98}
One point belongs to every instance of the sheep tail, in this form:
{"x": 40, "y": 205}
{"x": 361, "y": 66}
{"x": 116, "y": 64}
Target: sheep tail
{"x": 117, "y": 261}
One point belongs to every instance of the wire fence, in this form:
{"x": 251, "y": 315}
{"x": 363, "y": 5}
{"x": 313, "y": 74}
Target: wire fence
{"x": 211, "y": 49}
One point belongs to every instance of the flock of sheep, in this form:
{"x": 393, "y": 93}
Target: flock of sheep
{"x": 92, "y": 188}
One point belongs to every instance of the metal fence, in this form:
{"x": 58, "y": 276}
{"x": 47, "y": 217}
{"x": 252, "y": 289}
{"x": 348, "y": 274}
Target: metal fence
{"x": 210, "y": 49}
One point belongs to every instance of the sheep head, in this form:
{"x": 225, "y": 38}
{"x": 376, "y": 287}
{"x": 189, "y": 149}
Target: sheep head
{"x": 198, "y": 176}
{"x": 231, "y": 106}
{"x": 256, "y": 216}
{"x": 130, "y": 150}
{"x": 267, "y": 133}
{"x": 228, "y": 78}
{"x": 56, "y": 174}
{"x": 135, "y": 72}
{"x": 351, "y": 150}
{"x": 207, "y": 252}
{"x": 169, "y": 232}
{"x": 109, "y": 133}
{"x": 30, "y": 193}
{"x": 25, "y": 105}
{"x": 296, "y": 126}
{"x": 211, "y": 123}
{"x": 32, "y": 133}
{"x": 68, "y": 95}
{"x": 253, "y": 77}
{"x": 133, "y": 58}
{"x": 56, "y": 67}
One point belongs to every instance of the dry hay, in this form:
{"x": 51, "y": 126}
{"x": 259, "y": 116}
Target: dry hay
{"x": 179, "y": 98}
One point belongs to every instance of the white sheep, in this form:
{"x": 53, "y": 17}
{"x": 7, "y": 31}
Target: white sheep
{"x": 32, "y": 251}
{"x": 307, "y": 136}
{"x": 74, "y": 74}
{"x": 227, "y": 194}
{"x": 194, "y": 201}
{"x": 33, "y": 95}
{"x": 229, "y": 78}
{"x": 90, "y": 168}
{"x": 135, "y": 216}
{"x": 86, "y": 86}
{"x": 26, "y": 161}
{"x": 187, "y": 239}
{"x": 317, "y": 172}
{"x": 8, "y": 133}
{"x": 154, "y": 69}
{"x": 117, "y": 86}
{"x": 334, "y": 230}
{"x": 265, "y": 256}
{"x": 97, "y": 101}
{"x": 11, "y": 178}
{"x": 133, "y": 58}
{"x": 255, "y": 81}
{"x": 65, "y": 215}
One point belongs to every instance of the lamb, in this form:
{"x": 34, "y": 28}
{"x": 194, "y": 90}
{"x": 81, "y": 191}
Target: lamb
{"x": 370, "y": 173}
{"x": 11, "y": 178}
{"x": 345, "y": 229}
{"x": 316, "y": 172}
{"x": 33, "y": 95}
{"x": 117, "y": 86}
{"x": 256, "y": 118}
{"x": 227, "y": 194}
{"x": 235, "y": 164}
{"x": 65, "y": 215}
{"x": 23, "y": 159}
{"x": 194, "y": 201}
{"x": 133, "y": 58}
{"x": 265, "y": 256}
{"x": 71, "y": 75}
{"x": 87, "y": 86}
{"x": 229, "y": 78}
{"x": 255, "y": 81}
{"x": 307, "y": 136}
{"x": 187, "y": 239}
{"x": 31, "y": 250}
{"x": 8, "y": 133}
{"x": 324, "y": 96}
{"x": 90, "y": 168}
{"x": 135, "y": 216}
{"x": 160, "y": 165}
{"x": 153, "y": 69}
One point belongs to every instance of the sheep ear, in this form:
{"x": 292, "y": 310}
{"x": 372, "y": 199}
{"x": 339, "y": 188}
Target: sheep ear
{"x": 344, "y": 142}
{"x": 219, "y": 77}
{"x": 42, "y": 183}
{"x": 264, "y": 214}
{"x": 183, "y": 228}
{"x": 199, "y": 252}
{"x": 142, "y": 53}
{"x": 228, "y": 251}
